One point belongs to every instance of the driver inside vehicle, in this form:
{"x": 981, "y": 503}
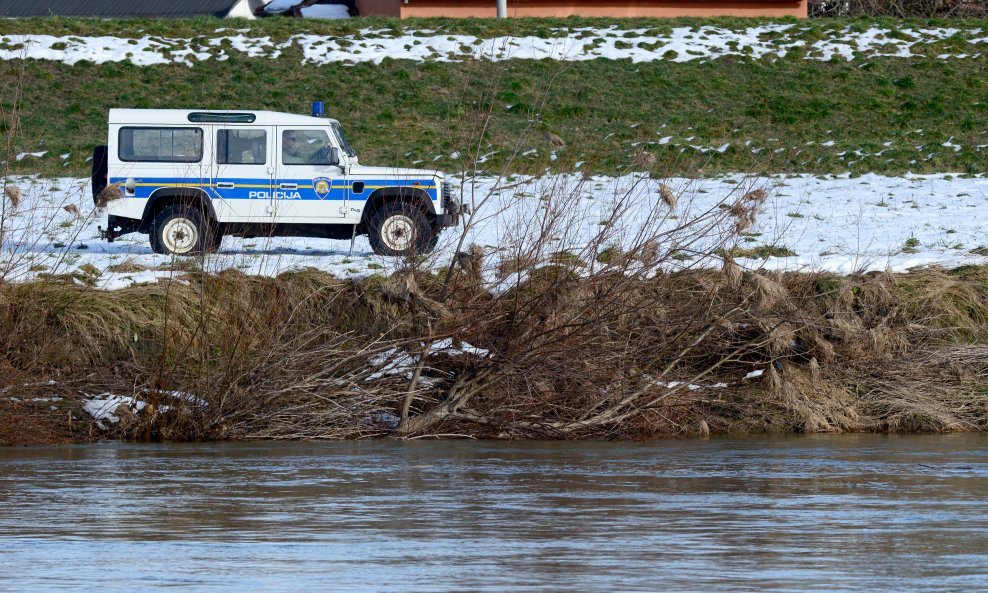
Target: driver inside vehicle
{"x": 305, "y": 147}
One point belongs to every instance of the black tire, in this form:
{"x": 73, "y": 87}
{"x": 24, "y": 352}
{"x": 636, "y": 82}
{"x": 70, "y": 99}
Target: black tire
{"x": 400, "y": 229}
{"x": 214, "y": 237}
{"x": 98, "y": 171}
{"x": 434, "y": 241}
{"x": 180, "y": 229}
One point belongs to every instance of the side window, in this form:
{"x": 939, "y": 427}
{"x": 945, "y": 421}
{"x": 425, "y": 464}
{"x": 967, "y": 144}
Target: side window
{"x": 241, "y": 147}
{"x": 305, "y": 147}
{"x": 161, "y": 145}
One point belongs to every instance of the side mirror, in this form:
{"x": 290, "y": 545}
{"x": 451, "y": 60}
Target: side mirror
{"x": 334, "y": 156}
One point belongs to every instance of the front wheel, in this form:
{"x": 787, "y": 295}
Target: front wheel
{"x": 180, "y": 230}
{"x": 400, "y": 229}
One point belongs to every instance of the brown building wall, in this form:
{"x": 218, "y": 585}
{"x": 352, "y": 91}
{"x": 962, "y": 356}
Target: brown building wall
{"x": 379, "y": 7}
{"x": 598, "y": 8}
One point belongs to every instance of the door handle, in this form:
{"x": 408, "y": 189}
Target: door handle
{"x": 225, "y": 185}
{"x": 288, "y": 186}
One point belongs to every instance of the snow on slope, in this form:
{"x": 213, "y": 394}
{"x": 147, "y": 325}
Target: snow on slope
{"x": 682, "y": 44}
{"x": 834, "y": 223}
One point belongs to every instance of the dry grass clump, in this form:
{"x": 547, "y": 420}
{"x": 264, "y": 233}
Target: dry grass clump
{"x": 13, "y": 193}
{"x": 110, "y": 193}
{"x": 757, "y": 195}
{"x": 768, "y": 293}
{"x": 732, "y": 271}
{"x": 950, "y": 305}
{"x": 812, "y": 404}
{"x": 940, "y": 391}
{"x": 515, "y": 264}
{"x": 69, "y": 326}
{"x": 403, "y": 286}
{"x": 647, "y": 160}
{"x": 127, "y": 267}
{"x": 471, "y": 262}
{"x": 668, "y": 196}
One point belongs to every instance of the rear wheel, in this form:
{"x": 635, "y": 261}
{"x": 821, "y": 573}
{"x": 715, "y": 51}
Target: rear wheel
{"x": 214, "y": 237}
{"x": 181, "y": 230}
{"x": 400, "y": 229}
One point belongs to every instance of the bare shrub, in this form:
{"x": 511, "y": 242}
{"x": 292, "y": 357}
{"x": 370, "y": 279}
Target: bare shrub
{"x": 899, "y": 8}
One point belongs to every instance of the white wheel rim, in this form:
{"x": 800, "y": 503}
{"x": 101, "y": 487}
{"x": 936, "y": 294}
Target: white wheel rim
{"x": 180, "y": 235}
{"x": 398, "y": 232}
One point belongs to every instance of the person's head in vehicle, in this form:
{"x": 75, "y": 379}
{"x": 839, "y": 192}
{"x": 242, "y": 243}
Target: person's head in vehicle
{"x": 292, "y": 148}
{"x": 301, "y": 149}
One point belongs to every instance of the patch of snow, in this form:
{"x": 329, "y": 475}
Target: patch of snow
{"x": 847, "y": 225}
{"x": 397, "y": 361}
{"x": 681, "y": 44}
{"x": 325, "y": 11}
{"x": 276, "y": 6}
{"x": 23, "y": 155}
{"x": 445, "y": 346}
{"x": 949, "y": 144}
{"x": 104, "y": 406}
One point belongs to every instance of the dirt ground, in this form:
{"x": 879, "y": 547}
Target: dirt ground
{"x": 28, "y": 423}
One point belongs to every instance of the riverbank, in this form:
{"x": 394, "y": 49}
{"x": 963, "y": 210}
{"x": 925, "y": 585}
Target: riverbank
{"x": 560, "y": 355}
{"x": 565, "y": 307}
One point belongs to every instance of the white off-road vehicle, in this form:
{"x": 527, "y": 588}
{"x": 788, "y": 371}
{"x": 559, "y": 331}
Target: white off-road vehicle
{"x": 188, "y": 177}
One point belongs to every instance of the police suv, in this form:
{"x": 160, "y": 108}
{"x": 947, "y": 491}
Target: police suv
{"x": 188, "y": 177}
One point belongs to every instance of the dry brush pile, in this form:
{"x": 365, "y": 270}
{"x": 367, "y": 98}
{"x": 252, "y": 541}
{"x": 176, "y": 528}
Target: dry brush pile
{"x": 628, "y": 332}
{"x": 899, "y": 8}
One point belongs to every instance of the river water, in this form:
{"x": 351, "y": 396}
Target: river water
{"x": 837, "y": 513}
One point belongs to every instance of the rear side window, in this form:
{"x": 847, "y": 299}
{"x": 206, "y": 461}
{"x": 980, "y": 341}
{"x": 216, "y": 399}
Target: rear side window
{"x": 160, "y": 145}
{"x": 241, "y": 147}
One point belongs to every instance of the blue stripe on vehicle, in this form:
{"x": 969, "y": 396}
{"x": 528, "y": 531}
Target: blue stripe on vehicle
{"x": 145, "y": 186}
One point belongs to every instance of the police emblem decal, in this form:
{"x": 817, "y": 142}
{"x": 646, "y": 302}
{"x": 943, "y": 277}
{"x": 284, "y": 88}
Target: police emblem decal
{"x": 321, "y": 185}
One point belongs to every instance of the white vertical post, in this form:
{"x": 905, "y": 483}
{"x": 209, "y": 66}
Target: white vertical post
{"x": 502, "y": 9}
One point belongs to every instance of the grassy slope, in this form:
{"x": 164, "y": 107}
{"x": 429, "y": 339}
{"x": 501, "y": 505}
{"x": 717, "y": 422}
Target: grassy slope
{"x": 401, "y": 112}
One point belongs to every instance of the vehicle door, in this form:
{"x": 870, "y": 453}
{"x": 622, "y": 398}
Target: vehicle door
{"x": 311, "y": 183}
{"x": 243, "y": 173}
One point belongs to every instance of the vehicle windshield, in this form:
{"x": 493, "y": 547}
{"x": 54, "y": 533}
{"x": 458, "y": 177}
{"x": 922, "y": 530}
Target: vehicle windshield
{"x": 338, "y": 130}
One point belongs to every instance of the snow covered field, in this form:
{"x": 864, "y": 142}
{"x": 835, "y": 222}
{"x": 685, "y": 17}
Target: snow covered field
{"x": 831, "y": 223}
{"x": 571, "y": 44}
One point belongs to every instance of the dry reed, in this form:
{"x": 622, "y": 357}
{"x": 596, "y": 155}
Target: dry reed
{"x": 13, "y": 194}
